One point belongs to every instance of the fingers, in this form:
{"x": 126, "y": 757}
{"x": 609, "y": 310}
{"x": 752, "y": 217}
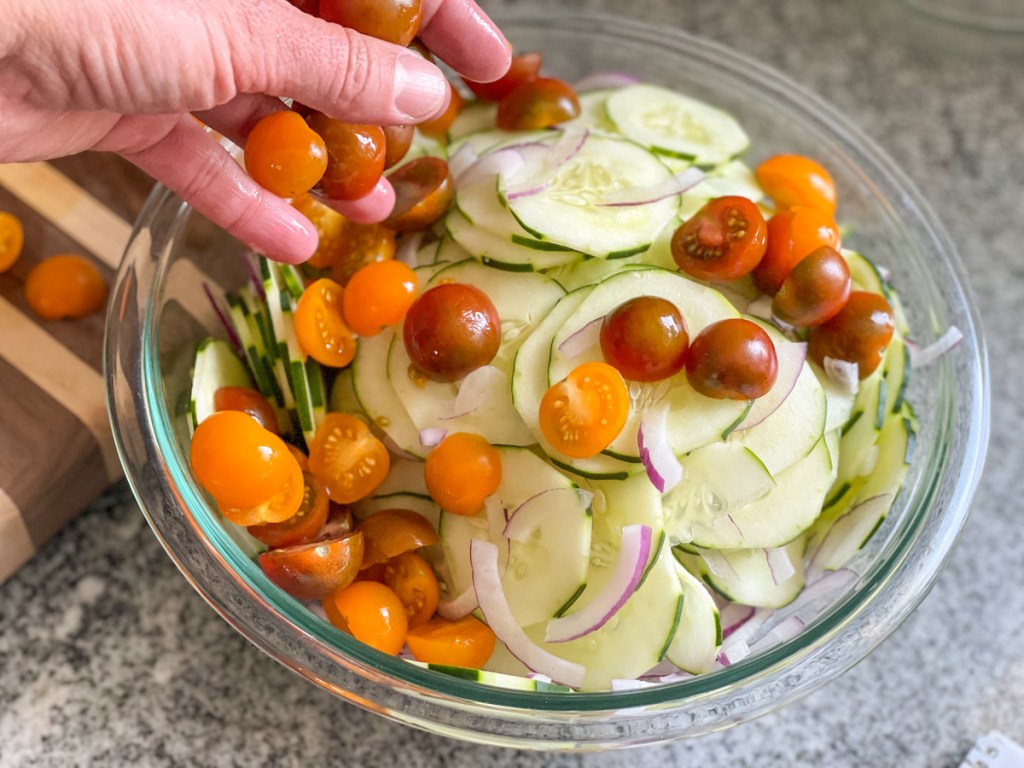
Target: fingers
{"x": 465, "y": 38}
{"x": 193, "y": 164}
{"x": 239, "y": 116}
{"x": 373, "y": 208}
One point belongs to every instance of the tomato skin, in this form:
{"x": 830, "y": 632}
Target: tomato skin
{"x": 791, "y": 180}
{"x": 859, "y": 333}
{"x": 724, "y": 240}
{"x": 462, "y": 471}
{"x": 379, "y": 295}
{"x": 315, "y": 570}
{"x": 320, "y": 324}
{"x": 645, "y": 339}
{"x": 370, "y": 612}
{"x": 582, "y": 414}
{"x": 355, "y": 157}
{"x": 466, "y": 642}
{"x": 330, "y": 225}
{"x": 65, "y": 286}
{"x": 451, "y": 330}
{"x": 302, "y": 527}
{"x": 815, "y": 289}
{"x": 524, "y": 67}
{"x": 397, "y": 140}
{"x": 282, "y": 505}
{"x": 283, "y": 155}
{"x": 396, "y": 21}
{"x": 732, "y": 359}
{"x": 539, "y": 103}
{"x": 248, "y": 401}
{"x": 347, "y": 459}
{"x": 363, "y": 244}
{"x": 424, "y": 190}
{"x": 411, "y": 578}
{"x": 12, "y": 240}
{"x": 792, "y": 234}
{"x": 389, "y": 533}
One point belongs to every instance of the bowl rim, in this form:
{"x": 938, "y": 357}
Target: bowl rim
{"x": 346, "y": 653}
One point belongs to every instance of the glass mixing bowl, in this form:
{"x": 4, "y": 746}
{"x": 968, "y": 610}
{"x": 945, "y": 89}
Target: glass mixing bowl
{"x": 158, "y": 313}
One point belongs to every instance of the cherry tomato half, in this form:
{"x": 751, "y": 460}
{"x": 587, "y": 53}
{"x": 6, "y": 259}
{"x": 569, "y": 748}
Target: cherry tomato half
{"x": 645, "y": 338}
{"x": 302, "y": 527}
{"x": 347, "y": 459}
{"x": 523, "y": 68}
{"x": 724, "y": 240}
{"x": 65, "y": 286}
{"x": 859, "y": 333}
{"x": 12, "y": 240}
{"x": 282, "y": 506}
{"x": 411, "y": 578}
{"x": 732, "y": 359}
{"x": 389, "y": 533}
{"x": 582, "y": 414}
{"x": 316, "y": 570}
{"x": 355, "y": 157}
{"x": 379, "y": 295}
{"x": 791, "y": 180}
{"x": 451, "y": 330}
{"x": 424, "y": 190}
{"x": 792, "y": 234}
{"x": 397, "y": 140}
{"x": 467, "y": 642}
{"x": 320, "y": 324}
{"x": 396, "y": 21}
{"x": 371, "y": 612}
{"x": 539, "y": 103}
{"x": 330, "y": 225}
{"x": 284, "y": 155}
{"x": 249, "y": 401}
{"x": 814, "y": 290}
{"x": 363, "y": 244}
{"x": 462, "y": 471}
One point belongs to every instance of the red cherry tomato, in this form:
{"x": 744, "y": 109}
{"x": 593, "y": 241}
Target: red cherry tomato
{"x": 645, "y": 338}
{"x": 859, "y": 333}
{"x": 390, "y": 532}
{"x": 284, "y": 155}
{"x": 396, "y": 21}
{"x": 815, "y": 289}
{"x": 355, "y": 157}
{"x": 524, "y": 68}
{"x": 539, "y": 103}
{"x": 732, "y": 359}
{"x": 424, "y": 190}
{"x": 792, "y": 234}
{"x": 247, "y": 401}
{"x": 791, "y": 180}
{"x": 397, "y": 140}
{"x": 315, "y": 570}
{"x": 724, "y": 240}
{"x": 302, "y": 527}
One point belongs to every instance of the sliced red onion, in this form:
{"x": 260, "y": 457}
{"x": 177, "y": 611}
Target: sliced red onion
{"x": 483, "y": 556}
{"x": 791, "y": 357}
{"x": 461, "y": 160}
{"x": 250, "y": 260}
{"x": 580, "y": 341}
{"x": 819, "y": 585}
{"x": 884, "y": 272}
{"x": 561, "y": 152}
{"x": 921, "y": 356}
{"x": 675, "y": 185}
{"x": 634, "y": 553}
{"x": 843, "y": 373}
{"x": 475, "y": 390}
{"x": 625, "y": 684}
{"x": 603, "y": 79}
{"x": 674, "y": 677}
{"x": 505, "y": 162}
{"x": 459, "y": 606}
{"x": 538, "y": 677}
{"x": 663, "y": 468}
{"x": 745, "y": 632}
{"x": 497, "y": 515}
{"x": 585, "y": 497}
{"x": 779, "y": 564}
{"x": 432, "y": 436}
{"x": 409, "y": 248}
{"x": 785, "y": 630}
{"x": 524, "y": 519}
{"x": 733, "y": 616}
{"x": 718, "y": 564}
{"x": 859, "y": 521}
{"x": 735, "y": 653}
{"x": 761, "y": 307}
{"x": 223, "y": 317}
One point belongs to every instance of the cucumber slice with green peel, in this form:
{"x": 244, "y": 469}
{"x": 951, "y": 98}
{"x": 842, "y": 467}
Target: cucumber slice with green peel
{"x": 838, "y": 400}
{"x": 850, "y": 532}
{"x": 693, "y": 419}
{"x": 215, "y": 365}
{"x": 404, "y": 477}
{"x": 496, "y": 679}
{"x": 895, "y": 442}
{"x": 569, "y": 209}
{"x": 473, "y": 117}
{"x": 749, "y": 576}
{"x": 593, "y": 114}
{"x": 674, "y": 124}
{"x": 694, "y": 647}
{"x": 489, "y": 139}
{"x": 587, "y": 272}
{"x": 501, "y": 252}
{"x": 421, "y": 505}
{"x": 343, "y": 394}
{"x": 864, "y": 273}
{"x": 542, "y": 575}
{"x": 860, "y": 433}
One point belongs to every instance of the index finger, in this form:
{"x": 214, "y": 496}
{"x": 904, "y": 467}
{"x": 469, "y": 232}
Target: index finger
{"x": 462, "y": 35}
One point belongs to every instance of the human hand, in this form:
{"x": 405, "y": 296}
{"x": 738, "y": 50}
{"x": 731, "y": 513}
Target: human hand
{"x": 126, "y": 78}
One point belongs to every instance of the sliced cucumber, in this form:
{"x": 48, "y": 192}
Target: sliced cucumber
{"x": 502, "y": 252}
{"x": 343, "y": 394}
{"x": 421, "y": 505}
{"x": 404, "y": 477}
{"x": 850, "y": 532}
{"x": 569, "y": 210}
{"x": 860, "y": 433}
{"x": 593, "y": 114}
{"x": 496, "y": 679}
{"x": 838, "y": 401}
{"x": 677, "y": 125}
{"x": 694, "y": 646}
{"x": 745, "y": 576}
{"x": 474, "y": 116}
{"x": 215, "y": 365}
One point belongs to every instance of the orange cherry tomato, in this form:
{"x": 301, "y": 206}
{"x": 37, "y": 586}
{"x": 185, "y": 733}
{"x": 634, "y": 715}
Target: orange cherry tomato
{"x": 302, "y": 527}
{"x": 320, "y": 324}
{"x": 282, "y": 506}
{"x": 792, "y": 234}
{"x": 248, "y": 401}
{"x": 238, "y": 462}
{"x": 539, "y": 103}
{"x": 330, "y": 225}
{"x": 524, "y": 67}
{"x": 411, "y": 578}
{"x": 732, "y": 359}
{"x": 462, "y": 471}
{"x": 724, "y": 240}
{"x": 347, "y": 459}
{"x": 466, "y": 643}
{"x": 12, "y": 240}
{"x": 859, "y": 333}
{"x": 355, "y": 157}
{"x": 284, "y": 155}
{"x": 363, "y": 244}
{"x": 371, "y": 613}
{"x": 791, "y": 180}
{"x": 316, "y": 570}
{"x": 438, "y": 127}
{"x": 392, "y": 532}
{"x": 379, "y": 295}
{"x": 814, "y": 290}
{"x": 424, "y": 190}
{"x": 397, "y": 140}
{"x": 66, "y": 285}
{"x": 582, "y": 414}
{"x": 396, "y": 21}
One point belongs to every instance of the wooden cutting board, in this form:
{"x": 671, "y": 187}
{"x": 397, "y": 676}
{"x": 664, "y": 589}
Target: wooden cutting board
{"x": 56, "y": 450}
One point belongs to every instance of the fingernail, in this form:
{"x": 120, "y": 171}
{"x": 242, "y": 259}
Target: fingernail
{"x": 288, "y": 237}
{"x": 372, "y": 209}
{"x": 421, "y": 91}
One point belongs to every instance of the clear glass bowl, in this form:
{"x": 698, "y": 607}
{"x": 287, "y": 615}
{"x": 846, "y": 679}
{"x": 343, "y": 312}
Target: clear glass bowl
{"x": 158, "y": 313}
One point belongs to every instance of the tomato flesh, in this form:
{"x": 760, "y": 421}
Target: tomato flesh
{"x": 859, "y": 333}
{"x": 724, "y": 240}
{"x": 732, "y": 359}
{"x": 320, "y": 324}
{"x": 815, "y": 289}
{"x": 302, "y": 527}
{"x": 347, "y": 459}
{"x": 65, "y": 286}
{"x": 371, "y": 612}
{"x": 316, "y": 570}
{"x": 355, "y": 157}
{"x": 389, "y": 533}
{"x": 539, "y": 103}
{"x": 462, "y": 471}
{"x": 379, "y": 295}
{"x": 467, "y": 642}
{"x": 411, "y": 578}
{"x": 285, "y": 156}
{"x": 582, "y": 414}
{"x": 424, "y": 190}
{"x": 645, "y": 339}
{"x": 524, "y": 67}
{"x": 791, "y": 180}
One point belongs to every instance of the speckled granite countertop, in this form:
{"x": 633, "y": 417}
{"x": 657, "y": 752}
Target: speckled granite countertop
{"x": 107, "y": 656}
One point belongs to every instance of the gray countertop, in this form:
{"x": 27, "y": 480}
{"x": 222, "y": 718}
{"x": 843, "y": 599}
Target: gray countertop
{"x": 107, "y": 656}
